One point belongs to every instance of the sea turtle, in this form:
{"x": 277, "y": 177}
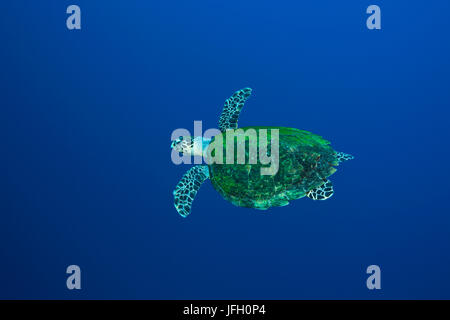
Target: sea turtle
{"x": 305, "y": 161}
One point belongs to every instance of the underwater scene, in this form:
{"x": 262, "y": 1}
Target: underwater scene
{"x": 225, "y": 149}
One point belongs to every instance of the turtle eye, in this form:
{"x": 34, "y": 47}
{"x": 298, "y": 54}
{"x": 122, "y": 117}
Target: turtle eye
{"x": 181, "y": 138}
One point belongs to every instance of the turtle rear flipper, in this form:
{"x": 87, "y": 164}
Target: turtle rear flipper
{"x": 323, "y": 192}
{"x": 232, "y": 108}
{"x": 188, "y": 187}
{"x": 340, "y": 156}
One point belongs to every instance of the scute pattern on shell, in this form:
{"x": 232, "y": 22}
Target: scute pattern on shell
{"x": 305, "y": 160}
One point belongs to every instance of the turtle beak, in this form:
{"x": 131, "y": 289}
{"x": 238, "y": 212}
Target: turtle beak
{"x": 175, "y": 143}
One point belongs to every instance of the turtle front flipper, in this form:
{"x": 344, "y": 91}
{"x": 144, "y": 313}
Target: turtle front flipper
{"x": 232, "y": 108}
{"x": 323, "y": 192}
{"x": 187, "y": 188}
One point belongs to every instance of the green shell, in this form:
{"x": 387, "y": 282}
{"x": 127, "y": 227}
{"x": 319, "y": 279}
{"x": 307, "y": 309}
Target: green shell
{"x": 305, "y": 160}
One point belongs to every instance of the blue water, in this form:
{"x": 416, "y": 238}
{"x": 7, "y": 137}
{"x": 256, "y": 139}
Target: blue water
{"x": 87, "y": 179}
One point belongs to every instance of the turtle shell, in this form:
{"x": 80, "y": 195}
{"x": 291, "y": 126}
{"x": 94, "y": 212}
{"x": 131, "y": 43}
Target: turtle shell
{"x": 305, "y": 160}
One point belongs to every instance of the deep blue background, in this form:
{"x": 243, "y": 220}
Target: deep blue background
{"x": 86, "y": 176}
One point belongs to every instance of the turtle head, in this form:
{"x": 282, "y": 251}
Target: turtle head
{"x": 191, "y": 146}
{"x": 184, "y": 145}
